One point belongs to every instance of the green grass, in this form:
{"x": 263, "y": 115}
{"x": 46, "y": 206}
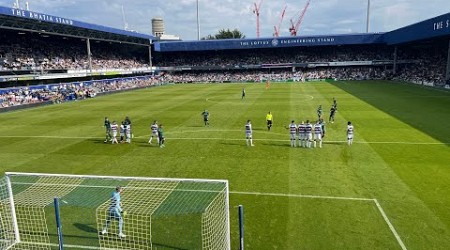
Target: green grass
{"x": 400, "y": 158}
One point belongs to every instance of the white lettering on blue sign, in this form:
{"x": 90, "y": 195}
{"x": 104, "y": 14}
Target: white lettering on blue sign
{"x": 41, "y": 17}
{"x": 438, "y": 25}
{"x": 441, "y": 25}
{"x": 16, "y": 12}
{"x": 277, "y": 42}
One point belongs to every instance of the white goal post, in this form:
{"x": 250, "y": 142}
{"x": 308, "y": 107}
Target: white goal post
{"x": 161, "y": 213}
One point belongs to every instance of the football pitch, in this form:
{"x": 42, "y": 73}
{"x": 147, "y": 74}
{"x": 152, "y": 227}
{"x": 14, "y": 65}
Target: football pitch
{"x": 389, "y": 190}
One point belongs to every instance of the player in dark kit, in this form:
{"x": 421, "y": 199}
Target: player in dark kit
{"x": 332, "y": 113}
{"x": 127, "y": 124}
{"x": 206, "y": 117}
{"x": 322, "y": 123}
{"x": 243, "y": 94}
{"x": 319, "y": 112}
{"x": 108, "y": 130}
{"x": 162, "y": 139}
{"x": 127, "y": 121}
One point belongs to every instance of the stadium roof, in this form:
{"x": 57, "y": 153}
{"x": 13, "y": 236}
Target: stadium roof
{"x": 24, "y": 20}
{"x": 428, "y": 29}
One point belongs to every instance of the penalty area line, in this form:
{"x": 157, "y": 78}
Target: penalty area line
{"x": 223, "y": 139}
{"x": 388, "y": 222}
{"x": 375, "y": 201}
{"x": 286, "y": 140}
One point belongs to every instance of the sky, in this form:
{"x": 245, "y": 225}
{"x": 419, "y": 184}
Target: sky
{"x": 323, "y": 17}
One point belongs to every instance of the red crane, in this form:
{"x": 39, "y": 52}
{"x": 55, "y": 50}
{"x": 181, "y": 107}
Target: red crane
{"x": 295, "y": 26}
{"x": 277, "y": 28}
{"x": 256, "y": 11}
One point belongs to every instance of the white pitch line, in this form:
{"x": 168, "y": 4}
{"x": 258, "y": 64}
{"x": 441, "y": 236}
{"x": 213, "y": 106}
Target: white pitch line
{"x": 380, "y": 209}
{"x": 223, "y": 139}
{"x": 388, "y": 222}
{"x": 279, "y": 140}
{"x": 50, "y": 137}
{"x": 393, "y": 142}
{"x": 302, "y": 196}
{"x": 56, "y": 245}
{"x": 77, "y": 246}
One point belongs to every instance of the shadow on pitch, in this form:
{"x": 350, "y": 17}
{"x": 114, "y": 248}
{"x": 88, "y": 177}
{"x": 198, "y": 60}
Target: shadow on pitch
{"x": 96, "y": 141}
{"x": 419, "y": 107}
{"x": 85, "y": 227}
{"x": 274, "y": 144}
{"x": 334, "y": 143}
{"x": 147, "y": 145}
{"x": 232, "y": 143}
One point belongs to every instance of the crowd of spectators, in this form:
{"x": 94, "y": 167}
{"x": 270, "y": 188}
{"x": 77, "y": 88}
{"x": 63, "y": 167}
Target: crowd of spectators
{"x": 429, "y": 69}
{"x": 276, "y": 56}
{"x": 69, "y": 91}
{"x": 34, "y": 52}
{"x": 422, "y": 64}
{"x": 279, "y": 75}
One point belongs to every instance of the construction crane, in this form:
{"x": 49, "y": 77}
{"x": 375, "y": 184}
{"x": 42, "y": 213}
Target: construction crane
{"x": 256, "y": 12}
{"x": 277, "y": 28}
{"x": 125, "y": 24}
{"x": 296, "y": 25}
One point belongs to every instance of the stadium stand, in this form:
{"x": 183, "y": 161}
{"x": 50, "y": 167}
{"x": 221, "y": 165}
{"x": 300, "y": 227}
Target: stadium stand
{"x": 36, "y": 47}
{"x": 419, "y": 53}
{"x": 30, "y": 51}
{"x": 57, "y": 93}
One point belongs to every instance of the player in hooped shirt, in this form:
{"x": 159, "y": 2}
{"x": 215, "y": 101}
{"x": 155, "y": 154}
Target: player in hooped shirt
{"x": 114, "y": 129}
{"x": 249, "y": 133}
{"x": 293, "y": 133}
{"x": 308, "y": 133}
{"x": 350, "y": 131}
{"x": 302, "y": 134}
{"x": 128, "y": 133}
{"x": 154, "y": 128}
{"x": 318, "y": 134}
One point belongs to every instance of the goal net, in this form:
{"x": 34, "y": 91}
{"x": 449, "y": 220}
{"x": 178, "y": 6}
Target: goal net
{"x": 161, "y": 213}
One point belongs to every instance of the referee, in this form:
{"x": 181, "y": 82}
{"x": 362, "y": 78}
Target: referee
{"x": 269, "y": 119}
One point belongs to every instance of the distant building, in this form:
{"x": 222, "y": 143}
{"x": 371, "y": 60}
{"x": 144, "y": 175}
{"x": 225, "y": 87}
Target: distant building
{"x": 158, "y": 26}
{"x": 158, "y": 30}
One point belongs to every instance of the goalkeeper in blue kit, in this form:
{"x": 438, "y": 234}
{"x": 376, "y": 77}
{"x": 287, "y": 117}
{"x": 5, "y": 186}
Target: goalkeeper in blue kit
{"x": 115, "y": 212}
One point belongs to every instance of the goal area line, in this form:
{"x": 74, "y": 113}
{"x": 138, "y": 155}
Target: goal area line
{"x": 304, "y": 196}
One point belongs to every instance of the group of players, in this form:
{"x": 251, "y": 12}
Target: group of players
{"x": 307, "y": 134}
{"x": 158, "y": 133}
{"x": 113, "y": 129}
{"x": 124, "y": 130}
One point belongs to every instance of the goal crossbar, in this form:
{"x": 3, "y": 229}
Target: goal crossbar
{"x": 114, "y": 177}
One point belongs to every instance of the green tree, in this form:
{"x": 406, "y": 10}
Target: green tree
{"x": 226, "y": 34}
